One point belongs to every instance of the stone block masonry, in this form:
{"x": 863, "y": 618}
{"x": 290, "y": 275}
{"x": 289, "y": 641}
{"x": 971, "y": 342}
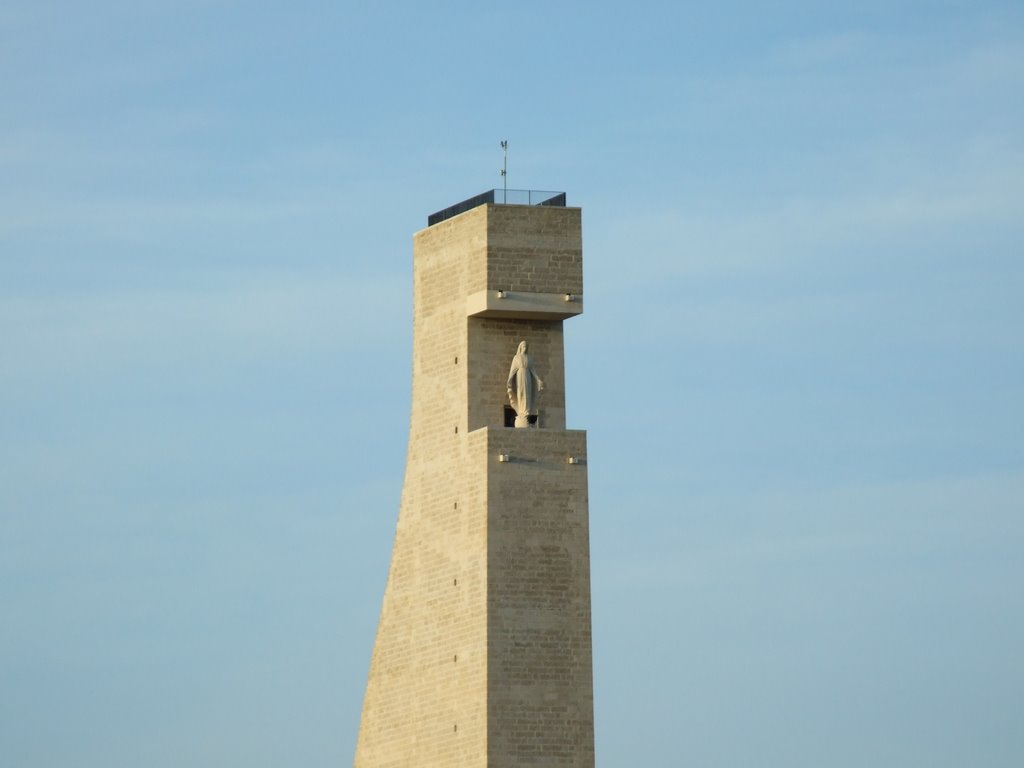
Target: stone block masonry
{"x": 483, "y": 649}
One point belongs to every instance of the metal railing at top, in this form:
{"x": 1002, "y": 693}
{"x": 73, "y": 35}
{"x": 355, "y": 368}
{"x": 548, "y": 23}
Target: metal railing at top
{"x": 500, "y": 197}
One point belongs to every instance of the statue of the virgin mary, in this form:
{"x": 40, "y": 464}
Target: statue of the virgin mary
{"x": 523, "y": 386}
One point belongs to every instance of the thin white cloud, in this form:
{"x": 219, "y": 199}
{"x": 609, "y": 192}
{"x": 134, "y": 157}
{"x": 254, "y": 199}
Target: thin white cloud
{"x": 797, "y": 525}
{"x": 981, "y": 187}
{"x": 991, "y": 64}
{"x": 824, "y": 49}
{"x": 128, "y": 191}
{"x": 54, "y": 335}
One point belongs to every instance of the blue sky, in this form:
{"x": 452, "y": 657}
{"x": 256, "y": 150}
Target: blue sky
{"x": 800, "y": 365}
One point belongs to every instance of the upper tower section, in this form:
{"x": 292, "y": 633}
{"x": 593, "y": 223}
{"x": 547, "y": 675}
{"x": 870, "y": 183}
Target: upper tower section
{"x": 532, "y": 253}
{"x": 506, "y": 273}
{"x": 534, "y": 264}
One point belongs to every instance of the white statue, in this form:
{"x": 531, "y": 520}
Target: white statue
{"x": 523, "y": 386}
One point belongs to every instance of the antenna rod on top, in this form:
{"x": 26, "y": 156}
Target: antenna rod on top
{"x": 504, "y": 172}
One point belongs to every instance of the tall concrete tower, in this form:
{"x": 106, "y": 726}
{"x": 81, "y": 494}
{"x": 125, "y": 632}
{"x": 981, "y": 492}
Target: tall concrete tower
{"x": 483, "y": 650}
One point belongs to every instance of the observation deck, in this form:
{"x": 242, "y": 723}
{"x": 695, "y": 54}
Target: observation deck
{"x": 500, "y": 197}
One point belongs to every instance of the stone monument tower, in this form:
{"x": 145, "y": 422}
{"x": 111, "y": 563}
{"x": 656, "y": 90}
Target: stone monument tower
{"x": 483, "y": 651}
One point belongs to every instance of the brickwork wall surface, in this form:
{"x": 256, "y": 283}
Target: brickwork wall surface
{"x": 530, "y": 248}
{"x": 541, "y": 710}
{"x": 425, "y": 701}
